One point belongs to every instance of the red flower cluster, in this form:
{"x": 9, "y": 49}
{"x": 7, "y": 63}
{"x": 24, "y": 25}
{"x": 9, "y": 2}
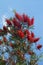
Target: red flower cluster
{"x": 31, "y": 37}
{"x": 20, "y": 18}
{"x": 20, "y": 33}
{"x": 25, "y": 18}
{"x": 16, "y": 23}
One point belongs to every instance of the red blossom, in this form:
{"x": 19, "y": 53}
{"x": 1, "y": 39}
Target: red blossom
{"x": 18, "y": 16}
{"x": 20, "y": 33}
{"x": 8, "y": 22}
{"x": 16, "y": 23}
{"x": 30, "y": 38}
{"x": 24, "y": 18}
{"x": 32, "y": 34}
{"x": 36, "y": 39}
{"x": 39, "y": 46}
{"x": 32, "y": 21}
{"x": 5, "y": 28}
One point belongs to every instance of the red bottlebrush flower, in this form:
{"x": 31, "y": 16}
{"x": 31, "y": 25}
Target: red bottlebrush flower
{"x": 18, "y": 16}
{"x": 4, "y": 39}
{"x": 30, "y": 39}
{"x": 24, "y": 18}
{"x": 20, "y": 33}
{"x": 30, "y": 52}
{"x": 29, "y": 23}
{"x": 11, "y": 44}
{"x": 5, "y": 28}
{"x": 32, "y": 21}
{"x": 39, "y": 46}
{"x": 27, "y": 32}
{"x": 0, "y": 42}
{"x": 36, "y": 39}
{"x": 16, "y": 23}
{"x": 8, "y": 22}
{"x": 32, "y": 34}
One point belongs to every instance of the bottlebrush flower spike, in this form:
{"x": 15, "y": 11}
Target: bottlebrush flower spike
{"x": 39, "y": 46}
{"x": 18, "y": 16}
{"x": 32, "y": 21}
{"x": 29, "y": 37}
{"x": 24, "y": 18}
{"x": 16, "y": 23}
{"x": 8, "y": 22}
{"x": 36, "y": 39}
{"x": 5, "y": 28}
{"x": 20, "y": 33}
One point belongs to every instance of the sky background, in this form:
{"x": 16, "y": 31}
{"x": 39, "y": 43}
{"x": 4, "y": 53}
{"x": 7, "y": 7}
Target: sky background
{"x": 33, "y": 8}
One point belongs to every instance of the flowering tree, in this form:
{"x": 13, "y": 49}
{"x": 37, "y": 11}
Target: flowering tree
{"x": 20, "y": 42}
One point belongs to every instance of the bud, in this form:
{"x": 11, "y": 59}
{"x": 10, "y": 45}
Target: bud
{"x": 18, "y": 16}
{"x": 8, "y": 22}
{"x": 32, "y": 21}
{"x": 39, "y": 46}
{"x": 36, "y": 39}
{"x": 5, "y": 28}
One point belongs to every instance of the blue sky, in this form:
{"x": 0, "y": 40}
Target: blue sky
{"x": 30, "y": 7}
